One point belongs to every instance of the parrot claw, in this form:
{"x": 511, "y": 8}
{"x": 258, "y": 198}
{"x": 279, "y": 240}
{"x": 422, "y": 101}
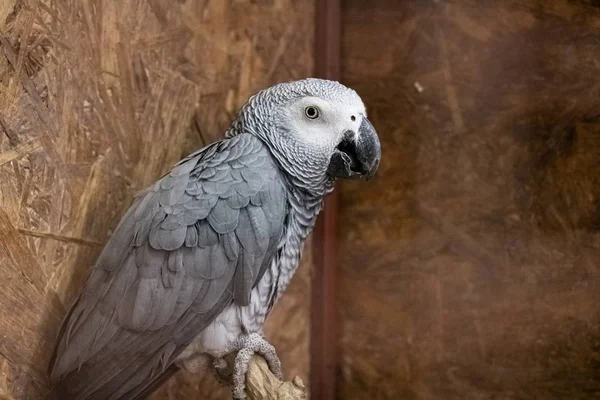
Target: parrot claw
{"x": 219, "y": 364}
{"x": 247, "y": 346}
{"x": 221, "y": 371}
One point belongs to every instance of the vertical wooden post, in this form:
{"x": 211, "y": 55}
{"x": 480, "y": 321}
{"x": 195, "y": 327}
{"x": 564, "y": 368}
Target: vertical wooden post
{"x": 323, "y": 332}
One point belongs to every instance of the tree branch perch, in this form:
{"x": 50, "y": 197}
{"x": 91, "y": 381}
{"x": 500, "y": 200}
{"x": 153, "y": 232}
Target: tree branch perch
{"x": 261, "y": 384}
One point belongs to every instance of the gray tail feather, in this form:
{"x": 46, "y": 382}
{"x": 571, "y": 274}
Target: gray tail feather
{"x": 143, "y": 393}
{"x": 139, "y": 393}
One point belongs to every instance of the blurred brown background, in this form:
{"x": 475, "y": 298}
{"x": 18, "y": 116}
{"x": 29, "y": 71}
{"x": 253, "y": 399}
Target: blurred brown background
{"x": 470, "y": 268}
{"x": 467, "y": 270}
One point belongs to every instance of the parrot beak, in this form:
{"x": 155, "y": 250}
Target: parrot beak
{"x": 358, "y": 154}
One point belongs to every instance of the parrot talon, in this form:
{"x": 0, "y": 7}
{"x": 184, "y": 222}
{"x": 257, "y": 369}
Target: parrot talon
{"x": 247, "y": 346}
{"x": 221, "y": 371}
{"x": 219, "y": 364}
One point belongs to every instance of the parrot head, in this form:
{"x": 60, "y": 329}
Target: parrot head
{"x": 317, "y": 129}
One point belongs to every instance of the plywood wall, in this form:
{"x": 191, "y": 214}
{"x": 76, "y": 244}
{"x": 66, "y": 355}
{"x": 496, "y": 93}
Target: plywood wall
{"x": 97, "y": 100}
{"x": 470, "y": 267}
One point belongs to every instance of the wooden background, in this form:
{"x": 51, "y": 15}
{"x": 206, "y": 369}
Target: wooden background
{"x": 98, "y": 98}
{"x": 469, "y": 269}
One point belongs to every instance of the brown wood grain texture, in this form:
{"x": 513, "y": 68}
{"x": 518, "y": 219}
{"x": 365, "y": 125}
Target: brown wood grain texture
{"x": 97, "y": 100}
{"x": 323, "y": 322}
{"x": 469, "y": 267}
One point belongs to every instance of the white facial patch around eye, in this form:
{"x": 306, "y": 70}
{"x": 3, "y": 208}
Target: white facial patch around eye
{"x": 306, "y": 105}
{"x": 325, "y": 131}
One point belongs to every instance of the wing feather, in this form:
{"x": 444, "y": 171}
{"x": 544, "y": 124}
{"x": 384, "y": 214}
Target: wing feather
{"x": 197, "y": 240}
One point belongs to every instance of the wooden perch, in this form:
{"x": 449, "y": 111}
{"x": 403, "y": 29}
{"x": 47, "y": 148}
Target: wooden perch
{"x": 261, "y": 384}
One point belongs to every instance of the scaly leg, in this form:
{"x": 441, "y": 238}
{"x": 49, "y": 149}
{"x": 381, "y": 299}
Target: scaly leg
{"x": 247, "y": 346}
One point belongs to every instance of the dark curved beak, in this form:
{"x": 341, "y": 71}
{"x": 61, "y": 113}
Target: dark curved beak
{"x": 358, "y": 154}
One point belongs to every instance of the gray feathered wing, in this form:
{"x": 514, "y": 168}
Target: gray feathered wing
{"x": 199, "y": 239}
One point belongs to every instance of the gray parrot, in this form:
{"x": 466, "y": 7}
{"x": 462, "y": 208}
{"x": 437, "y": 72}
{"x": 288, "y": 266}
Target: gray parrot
{"x": 200, "y": 258}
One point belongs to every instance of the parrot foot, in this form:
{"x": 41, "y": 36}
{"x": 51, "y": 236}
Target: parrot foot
{"x": 247, "y": 346}
{"x": 221, "y": 371}
{"x": 220, "y": 364}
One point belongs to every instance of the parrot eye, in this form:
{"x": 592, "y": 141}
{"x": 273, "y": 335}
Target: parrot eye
{"x": 311, "y": 112}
